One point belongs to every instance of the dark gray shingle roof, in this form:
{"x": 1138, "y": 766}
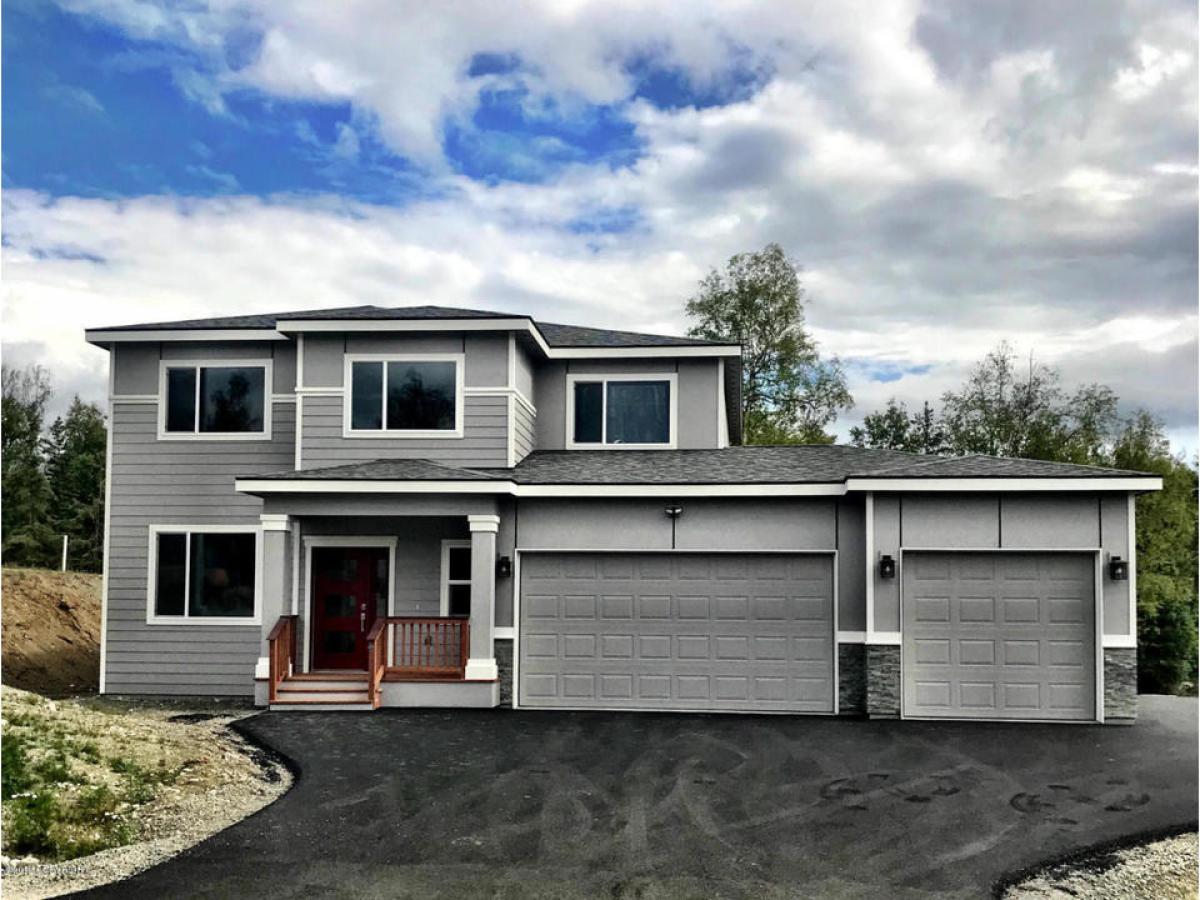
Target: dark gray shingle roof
{"x": 802, "y": 464}
{"x": 578, "y": 336}
{"x": 387, "y": 470}
{"x": 556, "y": 335}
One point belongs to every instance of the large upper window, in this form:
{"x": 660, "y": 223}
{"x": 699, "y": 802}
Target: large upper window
{"x": 625, "y": 411}
{"x": 214, "y": 400}
{"x": 414, "y": 396}
{"x": 202, "y": 575}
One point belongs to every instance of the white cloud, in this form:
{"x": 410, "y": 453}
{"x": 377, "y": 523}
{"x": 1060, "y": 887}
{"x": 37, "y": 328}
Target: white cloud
{"x": 949, "y": 177}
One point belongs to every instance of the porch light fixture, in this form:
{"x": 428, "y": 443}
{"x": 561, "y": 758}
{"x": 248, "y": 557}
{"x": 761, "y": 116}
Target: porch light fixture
{"x": 504, "y": 567}
{"x": 673, "y": 512}
{"x": 887, "y": 567}
{"x": 1118, "y": 569}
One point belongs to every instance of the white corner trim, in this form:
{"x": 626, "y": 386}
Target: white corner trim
{"x": 886, "y": 638}
{"x": 483, "y": 523}
{"x": 573, "y": 378}
{"x": 1132, "y": 557}
{"x": 265, "y": 363}
{"x": 869, "y": 552}
{"x": 348, "y": 431}
{"x": 722, "y": 416}
{"x": 107, "y": 551}
{"x": 852, "y": 637}
{"x": 262, "y": 668}
{"x": 1057, "y": 485}
{"x": 298, "y": 437}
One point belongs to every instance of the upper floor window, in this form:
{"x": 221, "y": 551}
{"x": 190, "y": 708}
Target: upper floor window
{"x": 214, "y": 400}
{"x": 207, "y": 575}
{"x": 405, "y": 396}
{"x": 629, "y": 411}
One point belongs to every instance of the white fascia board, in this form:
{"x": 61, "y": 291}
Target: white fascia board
{"x": 680, "y": 490}
{"x": 1057, "y": 485}
{"x": 101, "y": 336}
{"x": 643, "y": 352}
{"x": 325, "y": 486}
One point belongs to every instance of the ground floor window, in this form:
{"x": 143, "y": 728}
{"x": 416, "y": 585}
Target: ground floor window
{"x": 203, "y": 575}
{"x": 456, "y": 578}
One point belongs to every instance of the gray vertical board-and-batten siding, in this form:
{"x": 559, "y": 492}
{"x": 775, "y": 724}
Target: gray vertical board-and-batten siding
{"x": 1000, "y": 522}
{"x": 178, "y": 482}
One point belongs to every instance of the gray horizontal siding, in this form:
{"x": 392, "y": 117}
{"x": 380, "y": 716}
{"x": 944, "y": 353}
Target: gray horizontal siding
{"x": 523, "y": 431}
{"x": 485, "y": 441}
{"x": 178, "y": 483}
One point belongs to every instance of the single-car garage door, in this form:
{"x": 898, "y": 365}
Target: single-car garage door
{"x": 999, "y": 635}
{"x": 677, "y": 631}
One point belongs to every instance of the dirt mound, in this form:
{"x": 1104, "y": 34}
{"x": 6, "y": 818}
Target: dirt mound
{"x": 51, "y": 631}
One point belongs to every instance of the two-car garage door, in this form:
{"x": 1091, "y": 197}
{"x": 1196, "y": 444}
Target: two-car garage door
{"x": 1001, "y": 635}
{"x": 677, "y": 631}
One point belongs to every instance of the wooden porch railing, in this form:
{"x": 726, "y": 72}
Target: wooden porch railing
{"x": 427, "y": 647}
{"x": 281, "y": 652}
{"x": 376, "y": 660}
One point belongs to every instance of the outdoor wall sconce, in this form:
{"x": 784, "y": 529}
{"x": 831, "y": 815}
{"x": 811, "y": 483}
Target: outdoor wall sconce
{"x": 887, "y": 567}
{"x": 673, "y": 512}
{"x": 1118, "y": 569}
{"x": 504, "y": 567}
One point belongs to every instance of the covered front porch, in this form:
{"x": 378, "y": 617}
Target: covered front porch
{"x": 378, "y": 601}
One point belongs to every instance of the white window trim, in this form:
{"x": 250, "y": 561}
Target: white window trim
{"x": 445, "y": 580}
{"x": 459, "y": 360}
{"x": 198, "y": 435}
{"x": 152, "y": 618}
{"x": 572, "y": 378}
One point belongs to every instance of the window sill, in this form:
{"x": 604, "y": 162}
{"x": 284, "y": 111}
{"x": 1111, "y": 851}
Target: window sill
{"x": 214, "y": 436}
{"x": 571, "y": 445}
{"x": 200, "y": 621}
{"x": 397, "y": 434}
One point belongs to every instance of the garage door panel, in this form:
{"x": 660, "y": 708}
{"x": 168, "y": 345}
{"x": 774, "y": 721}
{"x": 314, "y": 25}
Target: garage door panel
{"x": 1033, "y": 659}
{"x": 678, "y": 631}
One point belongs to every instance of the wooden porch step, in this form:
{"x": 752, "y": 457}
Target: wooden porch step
{"x": 326, "y": 696}
{"x": 320, "y": 706}
{"x": 328, "y": 676}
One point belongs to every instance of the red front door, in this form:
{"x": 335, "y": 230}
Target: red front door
{"x": 348, "y": 585}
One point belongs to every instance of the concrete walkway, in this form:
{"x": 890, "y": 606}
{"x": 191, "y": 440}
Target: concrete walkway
{"x": 504, "y": 804}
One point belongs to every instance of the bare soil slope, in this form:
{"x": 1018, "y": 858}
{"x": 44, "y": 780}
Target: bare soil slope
{"x": 51, "y": 631}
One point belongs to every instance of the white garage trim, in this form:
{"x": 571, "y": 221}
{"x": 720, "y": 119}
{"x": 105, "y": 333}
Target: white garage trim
{"x": 519, "y": 552}
{"x": 1098, "y": 600}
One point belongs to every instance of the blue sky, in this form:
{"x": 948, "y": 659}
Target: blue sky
{"x": 949, "y": 175}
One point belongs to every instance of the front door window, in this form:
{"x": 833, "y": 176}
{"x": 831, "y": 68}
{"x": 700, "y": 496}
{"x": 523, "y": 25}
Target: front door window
{"x": 347, "y": 585}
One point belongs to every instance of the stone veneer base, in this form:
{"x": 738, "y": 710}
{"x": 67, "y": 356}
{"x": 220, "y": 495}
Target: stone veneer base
{"x": 852, "y": 679}
{"x": 883, "y": 681}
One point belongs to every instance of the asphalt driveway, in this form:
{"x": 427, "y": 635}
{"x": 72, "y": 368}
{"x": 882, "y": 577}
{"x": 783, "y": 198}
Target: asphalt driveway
{"x": 525, "y": 804}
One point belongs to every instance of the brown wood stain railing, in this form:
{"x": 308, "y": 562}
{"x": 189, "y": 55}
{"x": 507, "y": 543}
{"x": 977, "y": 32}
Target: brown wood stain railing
{"x": 281, "y": 653}
{"x": 427, "y": 647}
{"x": 376, "y": 660}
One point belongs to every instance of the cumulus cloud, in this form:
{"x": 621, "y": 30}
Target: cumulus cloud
{"x": 949, "y": 173}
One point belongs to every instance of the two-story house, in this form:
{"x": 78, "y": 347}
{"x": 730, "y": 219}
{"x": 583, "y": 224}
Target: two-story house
{"x": 362, "y": 507}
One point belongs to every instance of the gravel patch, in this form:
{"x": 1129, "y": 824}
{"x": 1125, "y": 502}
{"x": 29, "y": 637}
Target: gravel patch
{"x": 231, "y": 779}
{"x": 1163, "y": 870}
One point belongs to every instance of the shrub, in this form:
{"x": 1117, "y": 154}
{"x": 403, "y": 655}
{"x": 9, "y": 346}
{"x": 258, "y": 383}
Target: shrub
{"x": 31, "y": 817}
{"x": 15, "y": 776}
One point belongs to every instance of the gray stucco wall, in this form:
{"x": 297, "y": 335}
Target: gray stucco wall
{"x": 990, "y": 521}
{"x": 188, "y": 482}
{"x": 699, "y": 396}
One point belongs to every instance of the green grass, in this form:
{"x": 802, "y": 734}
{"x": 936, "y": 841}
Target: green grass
{"x": 57, "y": 802}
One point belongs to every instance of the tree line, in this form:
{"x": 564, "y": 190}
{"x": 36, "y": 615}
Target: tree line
{"x": 1005, "y": 407}
{"x": 53, "y": 477}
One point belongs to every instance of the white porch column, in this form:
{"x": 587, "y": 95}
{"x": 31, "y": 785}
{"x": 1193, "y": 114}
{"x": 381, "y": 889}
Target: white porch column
{"x": 482, "y": 661}
{"x": 274, "y": 579}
